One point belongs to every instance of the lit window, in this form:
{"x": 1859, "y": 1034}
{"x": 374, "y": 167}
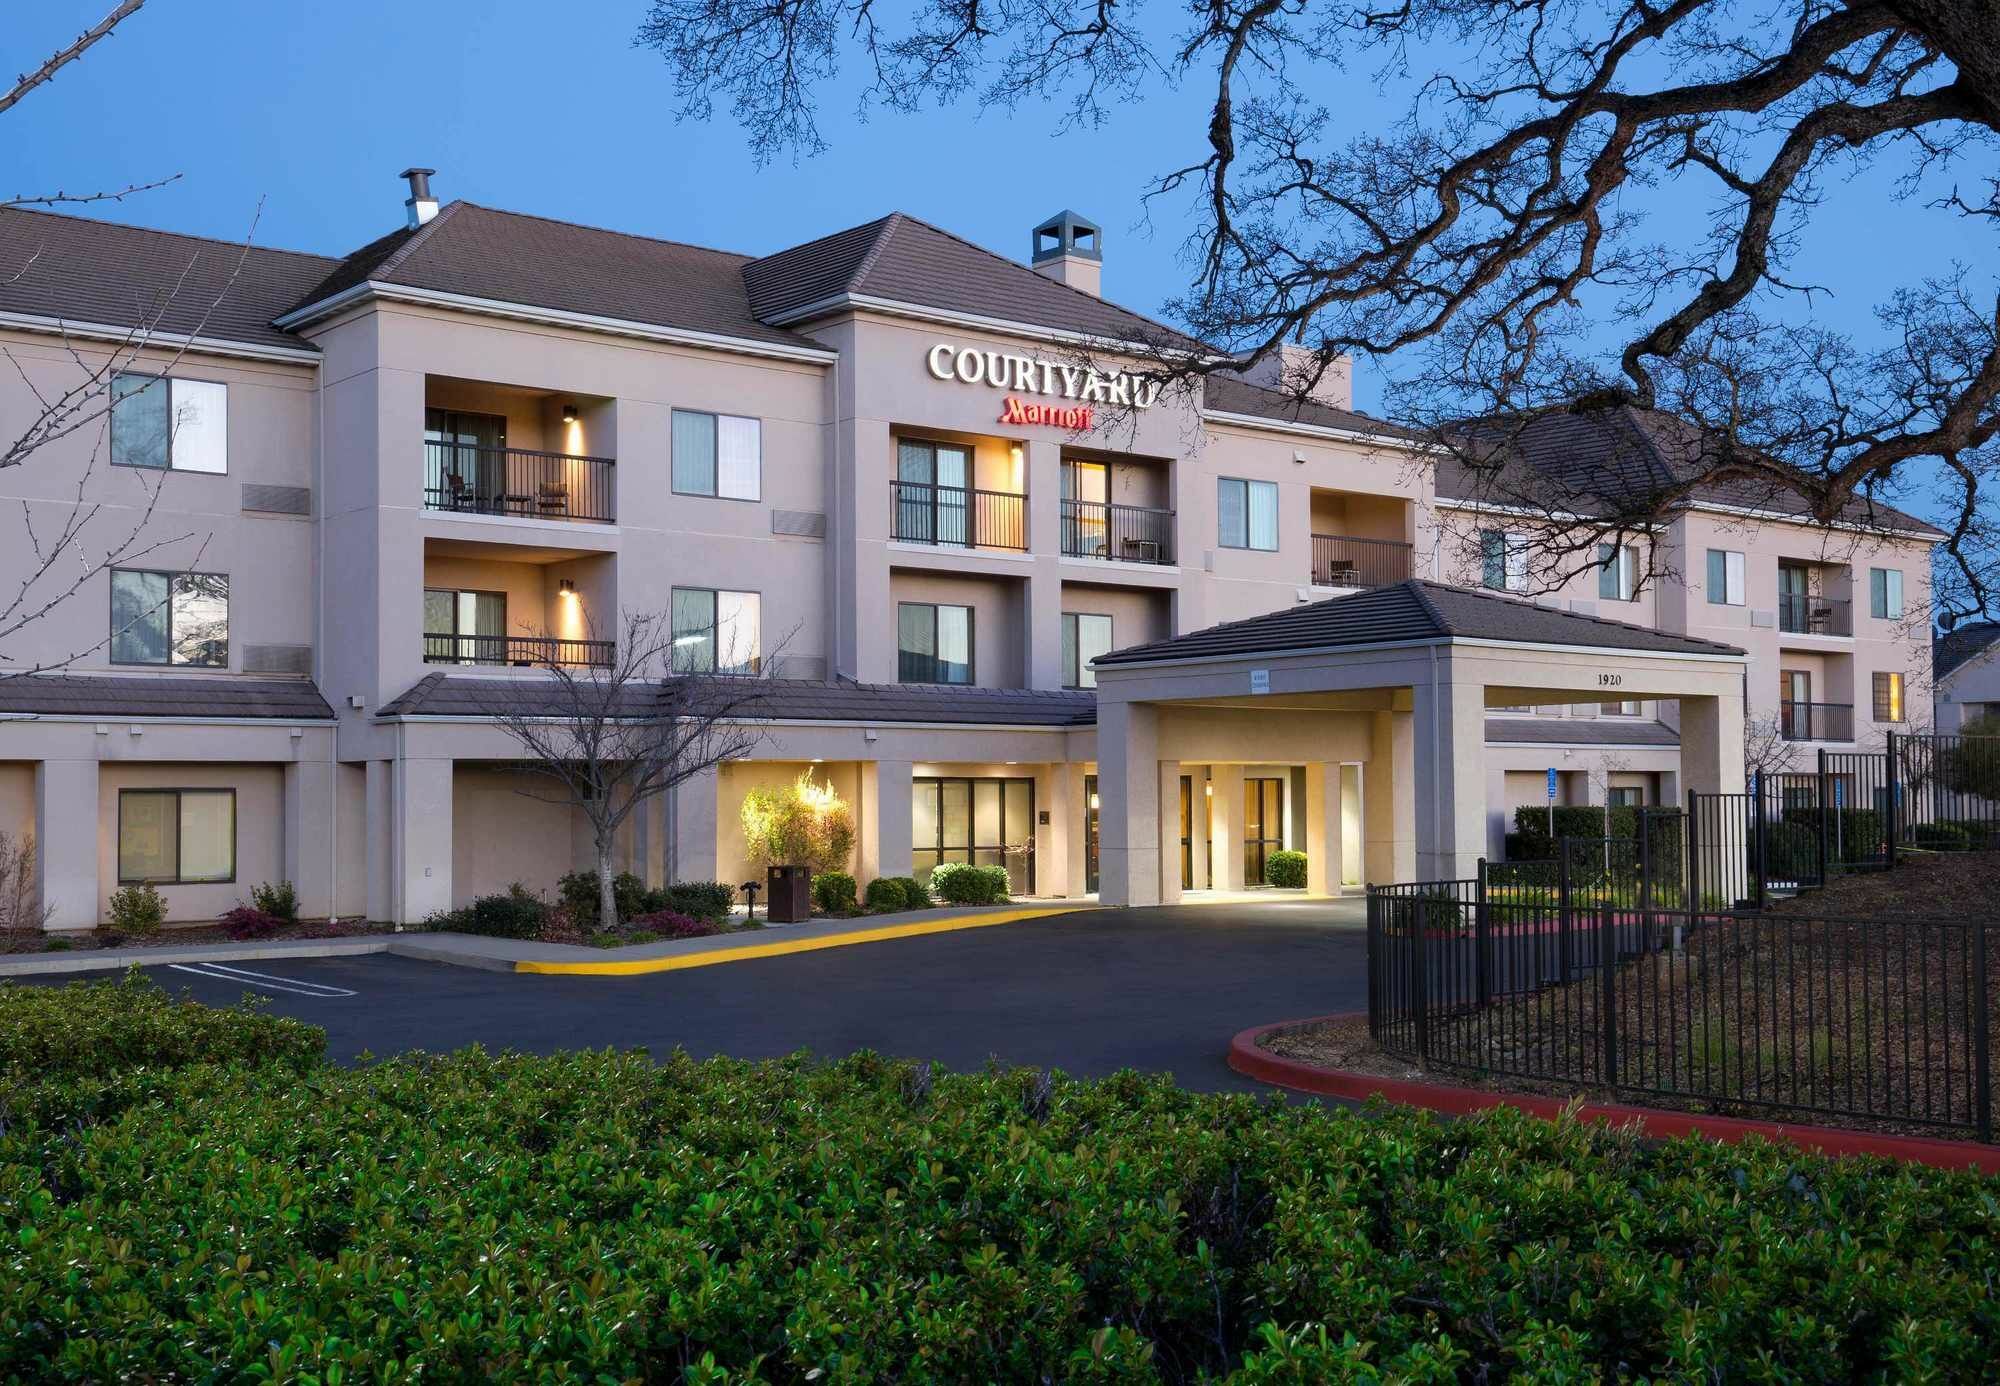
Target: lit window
{"x": 716, "y": 632}
{"x": 1888, "y": 697}
{"x": 933, "y": 643}
{"x": 159, "y": 422}
{"x": 170, "y": 618}
{"x": 1246, "y": 514}
{"x": 718, "y": 455}
{"x": 1085, "y": 636}
{"x": 1725, "y": 577}
{"x": 176, "y": 836}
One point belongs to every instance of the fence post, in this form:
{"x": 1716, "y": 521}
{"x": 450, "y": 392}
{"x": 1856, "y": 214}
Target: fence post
{"x": 1645, "y": 882}
{"x": 1607, "y": 959}
{"x": 1482, "y": 932}
{"x": 1693, "y": 849}
{"x": 1755, "y": 800}
{"x": 1563, "y": 961}
{"x": 1982, "y": 1070}
{"x": 1825, "y": 821}
{"x": 1376, "y": 959}
{"x": 1895, "y": 814}
{"x": 1420, "y": 988}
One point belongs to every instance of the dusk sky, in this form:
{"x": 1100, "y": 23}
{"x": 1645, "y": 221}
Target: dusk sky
{"x": 551, "y": 110}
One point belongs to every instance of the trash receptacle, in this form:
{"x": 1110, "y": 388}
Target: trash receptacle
{"x": 788, "y": 895}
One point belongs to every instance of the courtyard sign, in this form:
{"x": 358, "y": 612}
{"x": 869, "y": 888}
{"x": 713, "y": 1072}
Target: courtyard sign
{"x": 1024, "y": 375}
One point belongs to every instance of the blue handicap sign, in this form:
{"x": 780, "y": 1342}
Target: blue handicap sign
{"x": 1552, "y": 784}
{"x": 1839, "y": 793}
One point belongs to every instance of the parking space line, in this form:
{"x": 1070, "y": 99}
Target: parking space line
{"x": 262, "y": 981}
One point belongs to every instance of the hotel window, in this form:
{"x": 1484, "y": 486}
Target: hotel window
{"x": 464, "y": 627}
{"x": 1625, "y": 796}
{"x": 170, "y": 618}
{"x": 1503, "y": 560}
{"x": 933, "y": 643}
{"x": 1617, "y": 572}
{"x": 1247, "y": 514}
{"x": 176, "y": 836}
{"x": 1725, "y": 577}
{"x": 1630, "y": 707}
{"x": 716, "y": 632}
{"x": 933, "y": 492}
{"x": 1888, "y": 697}
{"x": 718, "y": 455}
{"x": 163, "y": 423}
{"x": 1885, "y": 594}
{"x": 1085, "y": 636}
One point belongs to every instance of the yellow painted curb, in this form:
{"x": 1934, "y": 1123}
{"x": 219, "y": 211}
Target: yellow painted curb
{"x": 633, "y": 967}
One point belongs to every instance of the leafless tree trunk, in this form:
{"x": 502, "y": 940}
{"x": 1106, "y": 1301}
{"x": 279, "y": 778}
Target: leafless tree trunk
{"x": 608, "y": 739}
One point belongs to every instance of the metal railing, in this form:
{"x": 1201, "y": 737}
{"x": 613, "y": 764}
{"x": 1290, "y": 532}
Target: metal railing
{"x": 1126, "y": 533}
{"x": 1800, "y": 614}
{"x": 1342, "y": 560}
{"x": 959, "y": 516}
{"x": 517, "y": 651}
{"x": 1882, "y": 1019}
{"x": 462, "y": 478}
{"x": 1816, "y": 721}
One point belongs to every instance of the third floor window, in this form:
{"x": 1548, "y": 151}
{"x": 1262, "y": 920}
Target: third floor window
{"x": 161, "y": 423}
{"x": 170, "y": 618}
{"x": 1503, "y": 561}
{"x": 1247, "y": 514}
{"x": 1885, "y": 594}
{"x": 1725, "y": 577}
{"x": 718, "y": 455}
{"x": 1617, "y": 572}
{"x": 933, "y": 643}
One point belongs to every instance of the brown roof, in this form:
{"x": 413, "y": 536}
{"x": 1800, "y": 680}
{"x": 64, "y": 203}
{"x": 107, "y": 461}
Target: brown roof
{"x": 177, "y": 696}
{"x": 57, "y": 266}
{"x": 1578, "y": 731}
{"x": 1233, "y": 395}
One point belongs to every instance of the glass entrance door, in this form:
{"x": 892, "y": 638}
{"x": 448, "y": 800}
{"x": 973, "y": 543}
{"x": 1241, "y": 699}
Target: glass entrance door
{"x": 1263, "y": 825}
{"x": 1090, "y": 834}
{"x": 1187, "y": 832}
{"x": 988, "y": 822}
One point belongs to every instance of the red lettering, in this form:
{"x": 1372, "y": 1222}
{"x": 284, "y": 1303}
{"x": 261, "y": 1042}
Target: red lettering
{"x": 1078, "y": 419}
{"x": 1012, "y": 411}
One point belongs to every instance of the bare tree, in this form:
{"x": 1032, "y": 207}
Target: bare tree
{"x": 610, "y": 738}
{"x": 1486, "y": 245}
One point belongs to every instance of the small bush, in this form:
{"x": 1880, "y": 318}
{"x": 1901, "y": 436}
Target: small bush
{"x": 519, "y": 913}
{"x": 669, "y": 924}
{"x": 577, "y": 893}
{"x": 962, "y": 883}
{"x": 1285, "y": 869}
{"x": 248, "y": 922}
{"x": 885, "y": 895}
{"x": 1941, "y": 837}
{"x": 833, "y": 892}
{"x": 137, "y": 909}
{"x": 916, "y": 895}
{"x": 701, "y": 899}
{"x": 92, "y": 1028}
{"x": 279, "y": 900}
{"x": 57, "y": 945}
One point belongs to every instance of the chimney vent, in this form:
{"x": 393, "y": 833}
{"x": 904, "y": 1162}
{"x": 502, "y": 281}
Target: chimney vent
{"x": 1070, "y": 250}
{"x": 421, "y": 205}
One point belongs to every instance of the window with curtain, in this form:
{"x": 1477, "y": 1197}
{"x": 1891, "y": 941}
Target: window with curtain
{"x": 1725, "y": 577}
{"x": 1885, "y": 593}
{"x": 1085, "y": 636}
{"x": 1888, "y": 697}
{"x": 933, "y": 643}
{"x": 464, "y": 627}
{"x": 176, "y": 836}
{"x": 1246, "y": 514}
{"x": 716, "y": 631}
{"x": 162, "y": 422}
{"x": 170, "y": 618}
{"x": 1617, "y": 572}
{"x": 1503, "y": 560}
{"x": 933, "y": 498}
{"x": 717, "y": 455}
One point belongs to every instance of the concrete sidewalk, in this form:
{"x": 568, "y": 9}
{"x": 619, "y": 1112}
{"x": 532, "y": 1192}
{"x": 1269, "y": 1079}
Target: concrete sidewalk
{"x": 528, "y": 955}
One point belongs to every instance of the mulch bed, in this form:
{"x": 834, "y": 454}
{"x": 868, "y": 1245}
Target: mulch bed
{"x": 173, "y": 936}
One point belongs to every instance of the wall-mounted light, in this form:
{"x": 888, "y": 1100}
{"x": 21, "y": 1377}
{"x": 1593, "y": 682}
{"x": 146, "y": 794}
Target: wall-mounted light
{"x": 1208, "y": 790}
{"x": 1016, "y": 452}
{"x": 1093, "y": 801}
{"x": 569, "y": 413}
{"x": 566, "y": 587}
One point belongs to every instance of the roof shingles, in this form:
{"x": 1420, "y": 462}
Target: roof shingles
{"x": 180, "y": 697}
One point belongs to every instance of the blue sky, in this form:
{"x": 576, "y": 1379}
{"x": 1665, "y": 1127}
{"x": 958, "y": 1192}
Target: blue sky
{"x": 549, "y": 109}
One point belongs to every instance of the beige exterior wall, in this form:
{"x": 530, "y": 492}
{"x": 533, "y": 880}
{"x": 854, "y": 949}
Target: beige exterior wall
{"x": 260, "y": 830}
{"x": 1969, "y": 691}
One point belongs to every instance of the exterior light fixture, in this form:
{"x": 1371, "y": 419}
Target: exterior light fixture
{"x": 566, "y": 587}
{"x": 569, "y": 413}
{"x": 1093, "y": 801}
{"x": 1208, "y": 790}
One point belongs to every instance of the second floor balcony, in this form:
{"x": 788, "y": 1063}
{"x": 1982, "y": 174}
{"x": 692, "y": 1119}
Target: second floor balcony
{"x": 1816, "y": 721}
{"x": 1345, "y": 560}
{"x": 1801, "y": 613}
{"x": 466, "y": 478}
{"x": 963, "y": 517}
{"x": 516, "y": 651}
{"x": 1120, "y": 533}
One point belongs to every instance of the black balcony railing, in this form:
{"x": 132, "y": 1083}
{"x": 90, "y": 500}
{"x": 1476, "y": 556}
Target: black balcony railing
{"x": 1800, "y": 614}
{"x": 516, "y": 481}
{"x": 1341, "y": 560}
{"x": 958, "y": 516}
{"x": 1126, "y": 533}
{"x": 1816, "y": 721}
{"x": 517, "y": 651}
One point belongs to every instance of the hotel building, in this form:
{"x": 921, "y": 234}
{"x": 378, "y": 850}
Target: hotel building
{"x": 874, "y": 465}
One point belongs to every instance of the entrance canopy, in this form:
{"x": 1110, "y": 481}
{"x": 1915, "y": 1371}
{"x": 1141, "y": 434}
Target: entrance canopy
{"x": 1397, "y": 681}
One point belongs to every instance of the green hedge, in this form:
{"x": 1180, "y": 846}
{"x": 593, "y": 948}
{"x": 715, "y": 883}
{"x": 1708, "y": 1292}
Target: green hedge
{"x": 833, "y": 892}
{"x": 598, "y": 1217}
{"x": 962, "y": 883}
{"x": 1286, "y": 870}
{"x": 92, "y": 1028}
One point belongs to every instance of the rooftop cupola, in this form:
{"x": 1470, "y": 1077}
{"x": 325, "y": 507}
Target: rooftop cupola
{"x": 1070, "y": 250}
{"x": 420, "y": 204}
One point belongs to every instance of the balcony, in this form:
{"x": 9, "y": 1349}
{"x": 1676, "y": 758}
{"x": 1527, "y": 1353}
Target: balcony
{"x": 517, "y": 651}
{"x": 1802, "y": 614}
{"x": 1121, "y": 533}
{"x": 464, "y": 478}
{"x": 958, "y": 516}
{"x": 1816, "y": 721}
{"x": 1343, "y": 560}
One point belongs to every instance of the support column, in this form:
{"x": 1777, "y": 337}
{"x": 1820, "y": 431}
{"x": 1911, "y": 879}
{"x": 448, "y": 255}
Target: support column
{"x": 422, "y": 825}
{"x": 1449, "y": 725}
{"x": 1353, "y": 794}
{"x": 1169, "y": 782}
{"x": 885, "y": 821}
{"x": 1198, "y": 829}
{"x": 1712, "y": 745}
{"x": 379, "y": 850}
{"x": 1389, "y": 803}
{"x": 1226, "y": 827}
{"x": 66, "y": 837}
{"x": 1128, "y": 790}
{"x": 1054, "y": 791}
{"x": 1322, "y": 827}
{"x": 310, "y": 809}
{"x": 691, "y": 814}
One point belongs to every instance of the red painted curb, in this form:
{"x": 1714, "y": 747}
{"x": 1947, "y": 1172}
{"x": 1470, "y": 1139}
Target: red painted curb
{"x": 1253, "y": 1061}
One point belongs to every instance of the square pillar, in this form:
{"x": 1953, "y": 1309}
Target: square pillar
{"x": 1389, "y": 803}
{"x": 1448, "y": 724}
{"x": 66, "y": 835}
{"x": 691, "y": 819}
{"x": 883, "y": 828}
{"x": 377, "y": 817}
{"x": 1055, "y": 788}
{"x": 1128, "y": 790}
{"x": 1226, "y": 827}
{"x": 421, "y": 812}
{"x": 1353, "y": 794}
{"x": 1198, "y": 829}
{"x": 310, "y": 836}
{"x": 1170, "y": 832}
{"x": 1712, "y": 745}
{"x": 1322, "y": 827}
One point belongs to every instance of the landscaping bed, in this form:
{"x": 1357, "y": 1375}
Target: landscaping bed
{"x": 175, "y": 936}
{"x": 601, "y": 1216}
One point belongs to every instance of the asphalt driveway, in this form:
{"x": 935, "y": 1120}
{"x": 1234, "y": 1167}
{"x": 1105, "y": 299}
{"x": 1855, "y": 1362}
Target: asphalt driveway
{"x": 1089, "y": 993}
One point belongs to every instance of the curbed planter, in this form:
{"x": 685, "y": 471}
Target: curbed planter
{"x": 1251, "y": 1060}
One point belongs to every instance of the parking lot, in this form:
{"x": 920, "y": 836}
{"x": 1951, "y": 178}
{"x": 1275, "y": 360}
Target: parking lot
{"x": 1160, "y": 990}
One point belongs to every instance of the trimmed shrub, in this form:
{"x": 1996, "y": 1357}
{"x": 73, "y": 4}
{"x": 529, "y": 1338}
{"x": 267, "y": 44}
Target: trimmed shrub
{"x": 1852, "y": 834}
{"x": 701, "y": 899}
{"x": 833, "y": 892}
{"x": 248, "y": 922}
{"x": 1286, "y": 869}
{"x": 916, "y": 895}
{"x": 87, "y": 1029}
{"x": 670, "y": 924}
{"x": 519, "y": 913}
{"x": 279, "y": 900}
{"x": 962, "y": 883}
{"x": 577, "y": 893}
{"x": 1941, "y": 837}
{"x": 137, "y": 909}
{"x": 885, "y": 895}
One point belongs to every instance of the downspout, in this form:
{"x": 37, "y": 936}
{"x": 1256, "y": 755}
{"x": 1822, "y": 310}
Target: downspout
{"x": 1437, "y": 754}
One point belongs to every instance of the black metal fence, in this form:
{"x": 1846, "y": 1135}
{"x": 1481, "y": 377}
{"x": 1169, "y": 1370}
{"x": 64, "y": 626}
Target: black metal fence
{"x": 1602, "y": 987}
{"x": 518, "y": 482}
{"x": 1342, "y": 560}
{"x": 958, "y": 515}
{"x": 519, "y": 651}
{"x": 1128, "y": 533}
